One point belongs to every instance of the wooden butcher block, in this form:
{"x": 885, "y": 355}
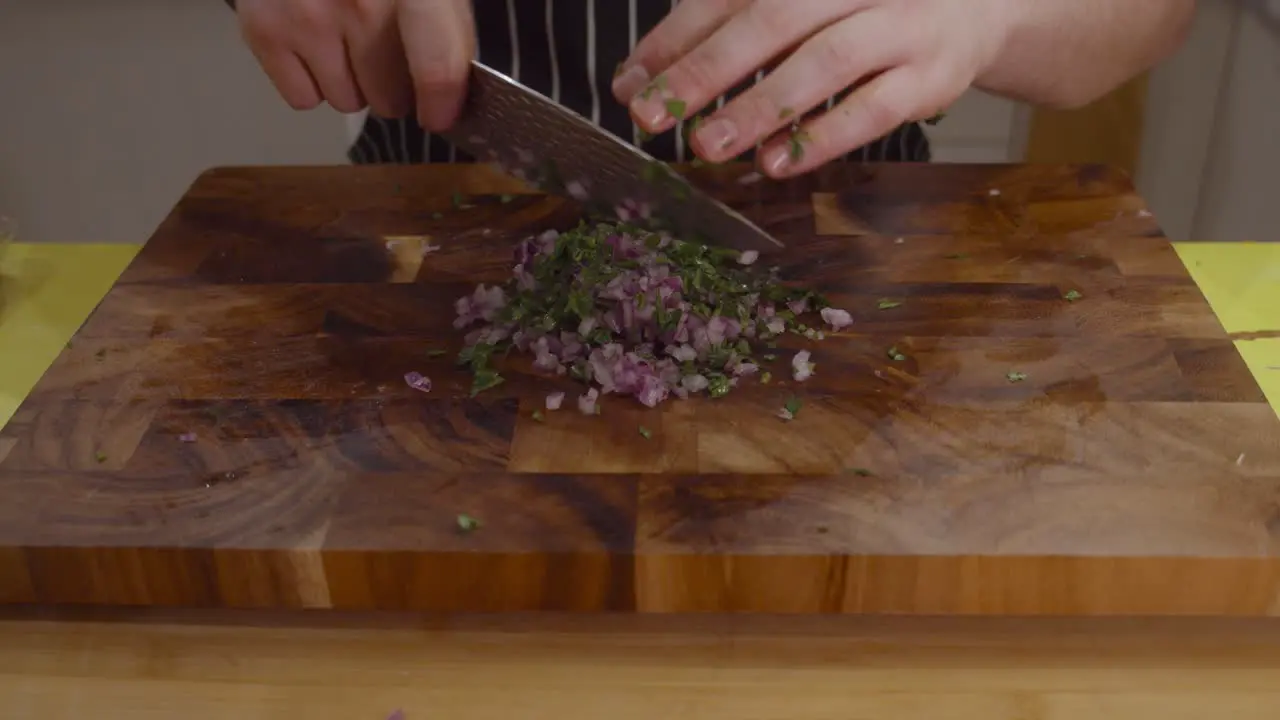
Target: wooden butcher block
{"x": 1052, "y": 420}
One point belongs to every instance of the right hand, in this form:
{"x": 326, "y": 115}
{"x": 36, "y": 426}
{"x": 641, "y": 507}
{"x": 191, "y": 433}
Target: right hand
{"x": 392, "y": 56}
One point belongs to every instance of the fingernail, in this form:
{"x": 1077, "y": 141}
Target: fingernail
{"x": 775, "y": 161}
{"x": 716, "y": 135}
{"x": 650, "y": 110}
{"x": 630, "y": 82}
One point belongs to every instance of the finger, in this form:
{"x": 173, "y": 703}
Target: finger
{"x": 331, "y": 68}
{"x": 826, "y": 64}
{"x": 884, "y": 103}
{"x": 378, "y": 61}
{"x": 292, "y": 79}
{"x": 439, "y": 41}
{"x": 688, "y": 24}
{"x": 745, "y": 43}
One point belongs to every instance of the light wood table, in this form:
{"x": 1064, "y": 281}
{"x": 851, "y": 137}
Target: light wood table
{"x": 145, "y": 665}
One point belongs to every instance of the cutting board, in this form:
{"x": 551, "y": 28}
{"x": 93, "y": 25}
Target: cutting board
{"x": 1068, "y": 430}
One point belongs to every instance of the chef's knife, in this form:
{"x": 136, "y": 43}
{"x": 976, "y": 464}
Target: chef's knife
{"x": 558, "y": 150}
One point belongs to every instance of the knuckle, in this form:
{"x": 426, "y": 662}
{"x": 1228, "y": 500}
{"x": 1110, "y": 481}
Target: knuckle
{"x": 695, "y": 77}
{"x": 259, "y": 30}
{"x": 365, "y": 9}
{"x": 762, "y": 113}
{"x": 309, "y": 16}
{"x": 437, "y": 71}
{"x": 880, "y": 112}
{"x": 833, "y": 54}
{"x": 772, "y": 16}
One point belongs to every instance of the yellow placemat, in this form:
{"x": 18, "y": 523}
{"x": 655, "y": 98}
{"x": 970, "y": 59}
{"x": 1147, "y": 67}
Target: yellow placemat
{"x": 45, "y": 295}
{"x": 1242, "y": 283}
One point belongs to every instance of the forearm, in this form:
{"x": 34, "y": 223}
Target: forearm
{"x": 1068, "y": 53}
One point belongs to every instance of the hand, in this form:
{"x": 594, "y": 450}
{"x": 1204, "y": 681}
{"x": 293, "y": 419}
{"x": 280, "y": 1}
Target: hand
{"x": 908, "y": 59}
{"x": 380, "y": 54}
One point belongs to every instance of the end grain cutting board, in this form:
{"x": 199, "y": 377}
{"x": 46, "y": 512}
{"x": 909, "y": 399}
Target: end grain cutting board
{"x": 274, "y": 313}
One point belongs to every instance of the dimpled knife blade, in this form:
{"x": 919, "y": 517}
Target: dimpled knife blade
{"x": 558, "y": 150}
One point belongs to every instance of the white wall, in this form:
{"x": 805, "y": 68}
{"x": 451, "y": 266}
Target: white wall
{"x": 1211, "y": 152}
{"x": 1242, "y": 178}
{"x": 112, "y": 107}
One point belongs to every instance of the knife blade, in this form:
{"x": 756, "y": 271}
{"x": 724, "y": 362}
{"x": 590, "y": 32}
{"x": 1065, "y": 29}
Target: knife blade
{"x": 557, "y": 150}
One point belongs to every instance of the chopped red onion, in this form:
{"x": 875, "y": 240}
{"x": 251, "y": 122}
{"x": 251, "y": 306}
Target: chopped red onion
{"x": 188, "y": 437}
{"x": 801, "y": 368}
{"x": 750, "y": 178}
{"x": 631, "y": 312}
{"x": 785, "y": 414}
{"x": 555, "y": 400}
{"x": 748, "y": 257}
{"x": 836, "y": 318}
{"x": 577, "y": 190}
{"x": 418, "y": 381}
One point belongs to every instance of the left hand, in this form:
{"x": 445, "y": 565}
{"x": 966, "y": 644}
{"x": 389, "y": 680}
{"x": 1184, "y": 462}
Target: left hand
{"x": 909, "y": 58}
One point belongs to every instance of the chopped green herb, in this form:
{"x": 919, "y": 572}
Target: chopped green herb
{"x": 887, "y": 304}
{"x": 457, "y": 199}
{"x": 485, "y": 379}
{"x": 935, "y": 119}
{"x": 823, "y": 529}
{"x": 621, "y": 67}
{"x": 1072, "y": 296}
{"x": 786, "y": 113}
{"x": 645, "y": 432}
{"x": 437, "y": 215}
{"x": 466, "y": 523}
{"x": 436, "y": 353}
{"x": 100, "y": 456}
{"x": 537, "y": 416}
{"x": 861, "y": 472}
{"x": 1015, "y": 376}
{"x": 507, "y": 198}
{"x": 958, "y": 256}
{"x": 795, "y": 143}
{"x": 643, "y": 135}
{"x": 793, "y": 406}
{"x": 896, "y": 355}
{"x": 101, "y": 354}
{"x": 676, "y": 108}
{"x": 398, "y": 188}
{"x": 718, "y": 387}
{"x": 770, "y": 357}
{"x": 766, "y": 377}
{"x": 698, "y": 162}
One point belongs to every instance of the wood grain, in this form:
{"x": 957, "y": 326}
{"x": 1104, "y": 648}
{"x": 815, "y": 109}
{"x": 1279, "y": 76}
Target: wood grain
{"x": 276, "y": 310}
{"x": 217, "y": 665}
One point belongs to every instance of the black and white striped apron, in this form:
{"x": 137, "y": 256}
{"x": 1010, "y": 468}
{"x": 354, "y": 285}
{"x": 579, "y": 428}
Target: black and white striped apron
{"x": 567, "y": 50}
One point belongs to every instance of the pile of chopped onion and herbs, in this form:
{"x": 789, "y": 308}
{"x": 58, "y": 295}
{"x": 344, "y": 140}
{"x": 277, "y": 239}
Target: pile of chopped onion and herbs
{"x": 636, "y": 312}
